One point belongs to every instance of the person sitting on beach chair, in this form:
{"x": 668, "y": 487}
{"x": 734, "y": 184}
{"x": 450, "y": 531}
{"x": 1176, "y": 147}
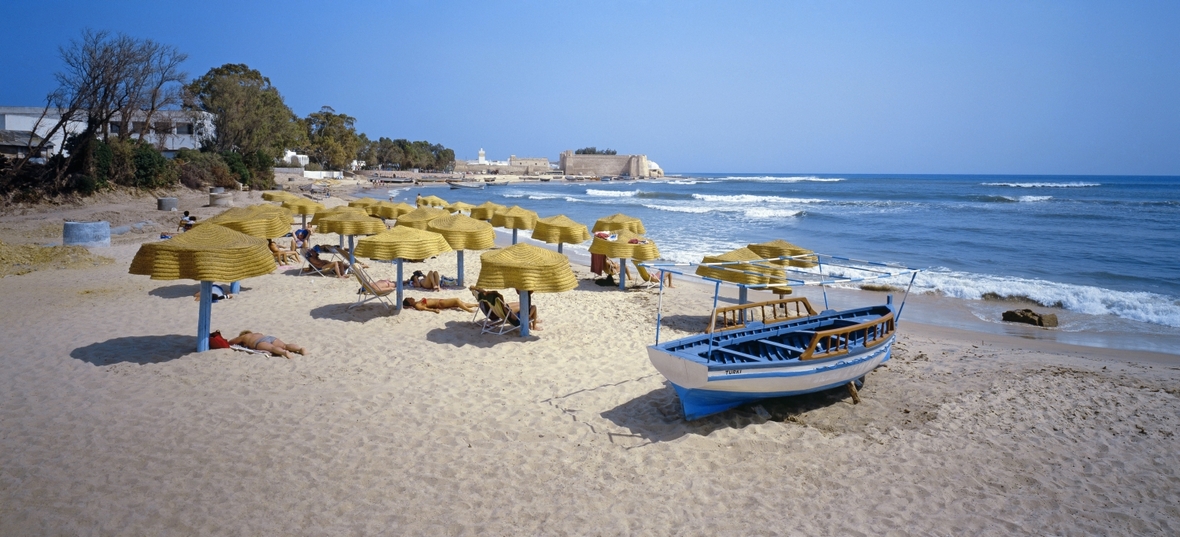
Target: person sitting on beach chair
{"x": 430, "y": 281}
{"x": 186, "y": 222}
{"x": 647, "y": 277}
{"x": 282, "y": 256}
{"x": 437, "y": 304}
{"x": 340, "y": 268}
{"x": 271, "y": 344}
{"x": 497, "y": 306}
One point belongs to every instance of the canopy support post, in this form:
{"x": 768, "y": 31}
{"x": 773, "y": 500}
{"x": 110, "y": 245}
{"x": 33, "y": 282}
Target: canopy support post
{"x": 622, "y": 274}
{"x": 514, "y": 230}
{"x": 460, "y": 254}
{"x": 524, "y": 312}
{"x": 822, "y": 285}
{"x": 351, "y": 256}
{"x": 559, "y": 247}
{"x": 205, "y": 311}
{"x": 659, "y": 308}
{"x": 399, "y": 284}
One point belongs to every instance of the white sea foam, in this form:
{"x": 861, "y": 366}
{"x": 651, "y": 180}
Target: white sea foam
{"x": 545, "y": 197}
{"x": 693, "y": 209}
{"x": 512, "y": 195}
{"x": 1044, "y": 185}
{"x": 611, "y": 193}
{"x": 798, "y": 179}
{"x": 748, "y": 198}
{"x": 691, "y": 182}
{"x": 1034, "y": 198}
{"x": 767, "y": 213}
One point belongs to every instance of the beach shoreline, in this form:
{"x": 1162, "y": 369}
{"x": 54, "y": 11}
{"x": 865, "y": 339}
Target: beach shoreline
{"x": 416, "y": 423}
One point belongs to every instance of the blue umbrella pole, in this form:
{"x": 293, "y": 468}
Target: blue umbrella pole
{"x": 622, "y": 273}
{"x": 205, "y": 311}
{"x": 399, "y": 284}
{"x": 514, "y": 236}
{"x": 524, "y": 314}
{"x": 460, "y": 254}
{"x": 304, "y": 220}
{"x": 743, "y": 298}
{"x": 559, "y": 247}
{"x": 351, "y": 256}
{"x": 341, "y": 243}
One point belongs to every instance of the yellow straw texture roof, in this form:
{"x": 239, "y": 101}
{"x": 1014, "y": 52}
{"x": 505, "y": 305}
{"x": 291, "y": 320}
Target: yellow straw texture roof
{"x": 418, "y": 218}
{"x": 351, "y": 224}
{"x": 278, "y": 195}
{"x": 515, "y": 217}
{"x": 623, "y": 248}
{"x": 779, "y": 248}
{"x": 464, "y": 232}
{"x": 205, "y": 253}
{"x": 255, "y": 221}
{"x": 485, "y": 210}
{"x": 402, "y": 242}
{"x": 388, "y": 209}
{"x": 560, "y": 228}
{"x": 327, "y": 213}
{"x": 618, "y": 222}
{"x": 302, "y": 206}
{"x": 432, "y": 201}
{"x": 460, "y": 206}
{"x": 730, "y": 272}
{"x": 528, "y": 267}
{"x": 362, "y": 203}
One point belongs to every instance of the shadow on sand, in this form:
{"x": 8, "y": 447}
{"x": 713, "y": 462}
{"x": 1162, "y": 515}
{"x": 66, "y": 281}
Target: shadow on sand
{"x": 181, "y": 290}
{"x": 361, "y": 314}
{"x": 465, "y": 333}
{"x": 155, "y": 349}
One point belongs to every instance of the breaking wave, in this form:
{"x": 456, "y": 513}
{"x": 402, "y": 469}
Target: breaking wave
{"x": 1044, "y": 185}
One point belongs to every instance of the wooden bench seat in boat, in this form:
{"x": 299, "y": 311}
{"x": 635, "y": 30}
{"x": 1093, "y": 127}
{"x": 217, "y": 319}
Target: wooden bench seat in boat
{"x": 767, "y": 312}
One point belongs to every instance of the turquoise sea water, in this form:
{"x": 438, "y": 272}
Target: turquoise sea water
{"x": 1106, "y": 248}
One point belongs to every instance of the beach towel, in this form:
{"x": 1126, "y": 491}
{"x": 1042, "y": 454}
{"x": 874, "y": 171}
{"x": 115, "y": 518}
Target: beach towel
{"x": 597, "y": 263}
{"x": 244, "y": 349}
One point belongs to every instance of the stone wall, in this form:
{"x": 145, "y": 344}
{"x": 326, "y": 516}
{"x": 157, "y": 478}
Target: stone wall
{"x": 632, "y": 165}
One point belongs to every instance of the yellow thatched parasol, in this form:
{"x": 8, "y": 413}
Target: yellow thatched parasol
{"x": 528, "y": 268}
{"x": 780, "y": 248}
{"x": 560, "y": 229}
{"x": 459, "y": 207}
{"x": 420, "y": 217}
{"x": 206, "y": 254}
{"x": 303, "y": 206}
{"x": 278, "y": 195}
{"x": 515, "y": 218}
{"x": 351, "y": 224}
{"x": 388, "y": 209}
{"x": 619, "y": 222}
{"x": 739, "y": 273}
{"x": 400, "y": 243}
{"x": 261, "y": 221}
{"x": 362, "y": 202}
{"x": 432, "y": 201}
{"x": 463, "y": 233}
{"x": 486, "y": 210}
{"x": 643, "y": 249}
{"x": 321, "y": 215}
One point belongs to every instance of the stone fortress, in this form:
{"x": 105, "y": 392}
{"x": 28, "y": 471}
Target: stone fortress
{"x": 569, "y": 164}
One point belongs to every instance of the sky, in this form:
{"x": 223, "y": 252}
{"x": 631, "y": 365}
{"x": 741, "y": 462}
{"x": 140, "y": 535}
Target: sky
{"x": 827, "y": 87}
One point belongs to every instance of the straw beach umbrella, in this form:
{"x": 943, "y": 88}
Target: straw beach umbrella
{"x": 362, "y": 202}
{"x": 351, "y": 224}
{"x": 515, "y": 218}
{"x": 731, "y": 267}
{"x": 401, "y": 243}
{"x": 303, "y": 206}
{"x": 527, "y": 268}
{"x": 261, "y": 221}
{"x": 278, "y": 195}
{"x": 485, "y": 210}
{"x": 560, "y": 229}
{"x": 388, "y": 209}
{"x": 459, "y": 207}
{"x": 420, "y": 217}
{"x": 463, "y": 233}
{"x": 627, "y": 245}
{"x": 206, "y": 254}
{"x": 781, "y": 248}
{"x": 432, "y": 201}
{"x": 619, "y": 222}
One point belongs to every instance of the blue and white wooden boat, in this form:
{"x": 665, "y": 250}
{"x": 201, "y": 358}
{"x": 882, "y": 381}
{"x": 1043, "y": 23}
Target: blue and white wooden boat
{"x": 776, "y": 348}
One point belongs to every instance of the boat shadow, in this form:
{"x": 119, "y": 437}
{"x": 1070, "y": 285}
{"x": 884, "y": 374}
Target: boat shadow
{"x": 656, "y": 416}
{"x": 136, "y": 350}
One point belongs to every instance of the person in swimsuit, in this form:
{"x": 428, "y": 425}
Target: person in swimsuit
{"x": 438, "y": 304}
{"x": 271, "y": 344}
{"x": 337, "y": 267}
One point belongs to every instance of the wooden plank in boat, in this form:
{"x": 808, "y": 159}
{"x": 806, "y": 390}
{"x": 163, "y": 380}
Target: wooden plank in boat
{"x": 781, "y": 345}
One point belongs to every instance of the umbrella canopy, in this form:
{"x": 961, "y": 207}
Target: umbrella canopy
{"x": 362, "y": 203}
{"x": 326, "y": 213}
{"x": 485, "y": 210}
{"x": 420, "y": 217}
{"x": 261, "y": 221}
{"x": 619, "y": 222}
{"x": 559, "y": 229}
{"x": 388, "y": 209}
{"x": 526, "y": 267}
{"x": 463, "y": 232}
{"x": 402, "y": 242}
{"x": 515, "y": 217}
{"x": 278, "y": 195}
{"x": 642, "y": 249}
{"x": 460, "y": 206}
{"x": 780, "y": 248}
{"x": 302, "y": 206}
{"x": 205, "y": 253}
{"x": 347, "y": 223}
{"x": 740, "y": 273}
{"x": 432, "y": 201}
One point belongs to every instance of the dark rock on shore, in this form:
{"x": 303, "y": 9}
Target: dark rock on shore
{"x": 1047, "y": 320}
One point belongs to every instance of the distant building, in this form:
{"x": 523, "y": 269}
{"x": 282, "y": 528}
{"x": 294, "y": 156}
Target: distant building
{"x": 16, "y": 144}
{"x": 513, "y": 166}
{"x": 170, "y": 131}
{"x": 608, "y": 165}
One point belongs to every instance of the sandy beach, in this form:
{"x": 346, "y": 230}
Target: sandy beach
{"x": 415, "y": 423}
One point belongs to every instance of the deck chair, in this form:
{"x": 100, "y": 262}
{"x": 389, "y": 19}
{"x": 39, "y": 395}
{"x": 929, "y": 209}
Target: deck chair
{"x": 309, "y": 268}
{"x": 498, "y": 318}
{"x": 370, "y": 292}
{"x": 646, "y": 280}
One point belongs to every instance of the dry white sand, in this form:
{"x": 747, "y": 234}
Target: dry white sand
{"x": 415, "y": 423}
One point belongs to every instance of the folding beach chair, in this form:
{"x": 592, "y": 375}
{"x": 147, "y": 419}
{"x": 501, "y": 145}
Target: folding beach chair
{"x": 370, "y": 292}
{"x": 498, "y": 318}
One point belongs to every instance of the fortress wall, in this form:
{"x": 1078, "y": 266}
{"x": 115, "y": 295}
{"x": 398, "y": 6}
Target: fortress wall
{"x": 633, "y": 165}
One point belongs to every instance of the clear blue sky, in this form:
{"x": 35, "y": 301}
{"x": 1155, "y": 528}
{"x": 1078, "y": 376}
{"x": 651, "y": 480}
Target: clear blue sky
{"x": 1021, "y": 87}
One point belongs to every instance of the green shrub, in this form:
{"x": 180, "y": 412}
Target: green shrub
{"x": 103, "y": 159}
{"x": 152, "y": 170}
{"x": 237, "y": 166}
{"x": 84, "y": 184}
{"x": 201, "y": 170}
{"x": 313, "y": 167}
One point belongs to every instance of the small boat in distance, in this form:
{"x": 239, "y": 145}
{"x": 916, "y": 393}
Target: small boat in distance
{"x": 456, "y": 185}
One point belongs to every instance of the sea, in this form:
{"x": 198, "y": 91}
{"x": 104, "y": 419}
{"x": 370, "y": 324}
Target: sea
{"x": 1104, "y": 251}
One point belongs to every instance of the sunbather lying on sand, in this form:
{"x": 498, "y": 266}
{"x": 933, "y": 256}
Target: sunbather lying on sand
{"x": 271, "y": 344}
{"x": 437, "y": 304}
{"x": 430, "y": 281}
{"x": 218, "y": 293}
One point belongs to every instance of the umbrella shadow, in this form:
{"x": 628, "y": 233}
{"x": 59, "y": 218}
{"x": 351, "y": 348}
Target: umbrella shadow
{"x": 361, "y": 314}
{"x": 466, "y": 333}
{"x": 657, "y": 416}
{"x": 136, "y": 349}
{"x": 176, "y": 291}
{"x": 687, "y": 323}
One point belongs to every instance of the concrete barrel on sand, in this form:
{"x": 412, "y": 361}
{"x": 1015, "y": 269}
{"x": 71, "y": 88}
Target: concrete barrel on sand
{"x": 88, "y": 234}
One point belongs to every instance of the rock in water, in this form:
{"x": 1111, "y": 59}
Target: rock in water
{"x": 1047, "y": 320}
